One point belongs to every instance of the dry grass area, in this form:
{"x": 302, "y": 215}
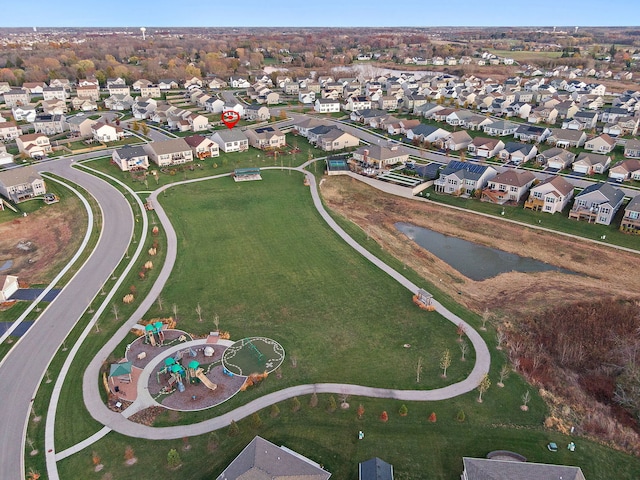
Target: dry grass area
{"x": 508, "y": 295}
{"x": 40, "y": 243}
{"x": 578, "y": 394}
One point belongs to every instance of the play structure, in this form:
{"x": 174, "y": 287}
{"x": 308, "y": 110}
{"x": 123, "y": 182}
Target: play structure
{"x": 176, "y": 374}
{"x": 153, "y": 330}
{"x": 205, "y": 381}
{"x": 252, "y": 355}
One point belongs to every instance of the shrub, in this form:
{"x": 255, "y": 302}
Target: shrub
{"x": 233, "y": 429}
{"x": 460, "y": 416}
{"x": 432, "y": 417}
{"x": 313, "y": 401}
{"x": 384, "y": 416}
{"x": 295, "y": 404}
{"x": 331, "y": 404}
{"x": 173, "y": 458}
{"x": 275, "y": 411}
{"x": 403, "y": 410}
{"x": 256, "y": 421}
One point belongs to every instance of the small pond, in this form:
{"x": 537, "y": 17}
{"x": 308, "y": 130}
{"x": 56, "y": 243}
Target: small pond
{"x": 472, "y": 260}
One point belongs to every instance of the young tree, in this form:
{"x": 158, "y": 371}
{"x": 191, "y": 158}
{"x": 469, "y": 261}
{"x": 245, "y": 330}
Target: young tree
{"x": 483, "y": 386}
{"x": 331, "y": 404}
{"x": 503, "y": 375}
{"x": 460, "y": 331}
{"x": 175, "y": 312}
{"x": 486, "y": 316}
{"x": 403, "y": 410}
{"x": 115, "y": 310}
{"x": 500, "y": 338}
{"x": 433, "y": 418}
{"x": 159, "y": 300}
{"x": 418, "y": 370}
{"x": 216, "y": 322}
{"x": 275, "y": 410}
{"x": 145, "y": 128}
{"x": 233, "y": 429}
{"x": 360, "y": 411}
{"x": 526, "y": 397}
{"x": 173, "y": 458}
{"x": 464, "y": 348}
{"x": 256, "y": 421}
{"x": 199, "y": 312}
{"x": 384, "y": 416}
{"x": 295, "y": 404}
{"x": 213, "y": 441}
{"x": 445, "y": 362}
{"x": 313, "y": 401}
{"x": 460, "y": 417}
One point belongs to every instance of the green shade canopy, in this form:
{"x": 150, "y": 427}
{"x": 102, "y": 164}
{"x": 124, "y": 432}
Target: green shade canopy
{"x": 194, "y": 364}
{"x": 169, "y": 361}
{"x": 148, "y": 327}
{"x": 176, "y": 368}
{"x": 118, "y": 369}
{"x": 158, "y": 326}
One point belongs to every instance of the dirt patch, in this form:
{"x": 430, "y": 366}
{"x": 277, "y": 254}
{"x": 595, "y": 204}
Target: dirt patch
{"x": 41, "y": 242}
{"x": 507, "y": 295}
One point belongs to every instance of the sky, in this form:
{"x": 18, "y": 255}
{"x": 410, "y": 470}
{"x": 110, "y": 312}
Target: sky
{"x": 322, "y": 13}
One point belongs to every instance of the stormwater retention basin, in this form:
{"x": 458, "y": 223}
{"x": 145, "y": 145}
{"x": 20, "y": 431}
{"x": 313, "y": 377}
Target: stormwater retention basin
{"x": 474, "y": 261}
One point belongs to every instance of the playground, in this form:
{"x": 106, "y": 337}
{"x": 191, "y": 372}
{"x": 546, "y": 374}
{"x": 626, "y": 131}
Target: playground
{"x": 253, "y": 355}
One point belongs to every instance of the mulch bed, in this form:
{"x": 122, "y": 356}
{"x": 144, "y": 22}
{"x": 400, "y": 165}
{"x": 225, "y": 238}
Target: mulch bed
{"x": 138, "y": 346}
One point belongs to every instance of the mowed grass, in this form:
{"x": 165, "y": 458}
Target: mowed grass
{"x": 259, "y": 256}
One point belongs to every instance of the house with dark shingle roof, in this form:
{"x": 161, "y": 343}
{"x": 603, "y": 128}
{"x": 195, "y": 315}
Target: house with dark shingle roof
{"x": 485, "y": 469}
{"x": 518, "y": 152}
{"x": 130, "y": 158}
{"x": 597, "y": 203}
{"x": 590, "y": 163}
{"x": 262, "y": 460}
{"x": 231, "y": 140}
{"x": 508, "y": 186}
{"x": 459, "y": 178}
{"x": 556, "y": 158}
{"x": 631, "y": 220}
{"x": 550, "y": 196}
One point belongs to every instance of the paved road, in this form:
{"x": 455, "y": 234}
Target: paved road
{"x": 24, "y": 367}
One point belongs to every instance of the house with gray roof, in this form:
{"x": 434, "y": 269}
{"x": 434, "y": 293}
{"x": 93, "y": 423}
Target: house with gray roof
{"x": 426, "y": 133}
{"x": 508, "y": 186}
{"x": 381, "y": 156}
{"x": 556, "y": 158}
{"x": 531, "y": 133}
{"x": 169, "y": 152}
{"x": 564, "y": 138}
{"x": 463, "y": 178}
{"x": 501, "y": 128}
{"x": 231, "y": 140}
{"x": 597, "y": 203}
{"x": 130, "y": 158}
{"x": 631, "y": 220}
{"x": 518, "y": 152}
{"x": 590, "y": 163}
{"x": 19, "y": 184}
{"x": 485, "y": 469}
{"x": 266, "y": 138}
{"x": 262, "y": 460}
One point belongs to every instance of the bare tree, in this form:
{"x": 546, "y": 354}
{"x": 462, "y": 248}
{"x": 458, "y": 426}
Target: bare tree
{"x": 503, "y": 375}
{"x": 526, "y": 397}
{"x": 464, "y": 348}
{"x": 418, "y": 370}
{"x": 116, "y": 311}
{"x": 486, "y": 316}
{"x": 199, "y": 312}
{"x": 216, "y": 322}
{"x": 445, "y": 362}
{"x": 483, "y": 386}
{"x": 159, "y": 300}
{"x": 500, "y": 338}
{"x": 175, "y": 311}
{"x": 460, "y": 331}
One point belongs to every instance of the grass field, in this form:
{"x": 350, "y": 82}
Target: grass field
{"x": 267, "y": 265}
{"x": 523, "y": 56}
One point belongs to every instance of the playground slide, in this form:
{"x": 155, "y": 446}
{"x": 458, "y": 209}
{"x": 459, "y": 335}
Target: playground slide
{"x": 203, "y": 378}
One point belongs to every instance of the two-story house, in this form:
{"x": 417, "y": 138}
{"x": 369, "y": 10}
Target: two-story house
{"x": 518, "y": 153}
{"x": 550, "y": 196}
{"x": 35, "y": 145}
{"x": 326, "y": 105}
{"x": 266, "y": 138}
{"x": 336, "y": 139}
{"x": 19, "y": 184}
{"x": 463, "y": 178}
{"x": 202, "y": 147}
{"x": 485, "y": 147}
{"x": 231, "y": 140}
{"x": 625, "y": 170}
{"x": 381, "y": 156}
{"x": 9, "y": 131}
{"x": 631, "y": 220}
{"x": 16, "y": 97}
{"x": 508, "y": 186}
{"x": 597, "y": 203}
{"x": 169, "y": 152}
{"x": 50, "y": 124}
{"x": 104, "y": 132}
{"x": 130, "y": 158}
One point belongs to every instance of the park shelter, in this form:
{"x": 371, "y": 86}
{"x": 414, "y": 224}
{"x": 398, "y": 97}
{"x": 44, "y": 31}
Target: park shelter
{"x": 120, "y": 370}
{"x": 246, "y": 174}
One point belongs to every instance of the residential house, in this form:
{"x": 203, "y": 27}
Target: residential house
{"x": 463, "y": 178}
{"x": 35, "y": 145}
{"x": 601, "y": 144}
{"x": 81, "y": 126}
{"x": 169, "y": 152}
{"x": 91, "y": 92}
{"x": 239, "y": 82}
{"x": 61, "y": 82}
{"x": 214, "y": 105}
{"x": 9, "y": 131}
{"x": 375, "y": 469}
{"x": 381, "y": 156}
{"x": 130, "y": 158}
{"x": 27, "y": 113}
{"x": 236, "y": 107}
{"x": 485, "y": 469}
{"x": 17, "y": 97}
{"x": 143, "y": 108}
{"x": 326, "y": 105}
{"x": 632, "y": 148}
{"x": 54, "y": 107}
{"x": 291, "y": 88}
{"x": 582, "y": 120}
{"x": 426, "y": 133}
{"x": 8, "y": 286}
{"x": 197, "y": 122}
{"x": 508, "y": 186}
{"x": 19, "y": 184}
{"x": 455, "y": 141}
{"x": 142, "y": 82}
{"x": 303, "y": 125}
{"x": 402, "y": 127}
{"x": 266, "y": 138}
{"x": 531, "y": 133}
{"x": 193, "y": 82}
{"x": 261, "y": 459}
{"x": 257, "y": 113}
{"x": 550, "y": 196}
{"x": 556, "y": 159}
{"x": 543, "y": 114}
{"x": 631, "y": 220}
{"x": 336, "y": 139}
{"x": 518, "y": 153}
{"x": 5, "y": 158}
{"x": 590, "y": 163}
{"x": 50, "y": 124}
{"x": 388, "y": 103}
{"x": 566, "y": 109}
{"x": 231, "y": 140}
{"x": 202, "y": 147}
{"x": 501, "y": 128}
{"x": 623, "y": 126}
{"x": 216, "y": 83}
{"x": 35, "y": 88}
{"x": 597, "y": 203}
{"x": 119, "y": 102}
{"x": 563, "y": 138}
{"x": 611, "y": 115}
{"x": 55, "y": 93}
{"x": 485, "y": 147}
{"x": 358, "y": 103}
{"x": 104, "y": 132}
{"x": 625, "y": 170}
{"x": 167, "y": 84}
{"x": 115, "y": 82}
{"x": 150, "y": 91}
{"x": 84, "y": 104}
{"x": 306, "y": 97}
